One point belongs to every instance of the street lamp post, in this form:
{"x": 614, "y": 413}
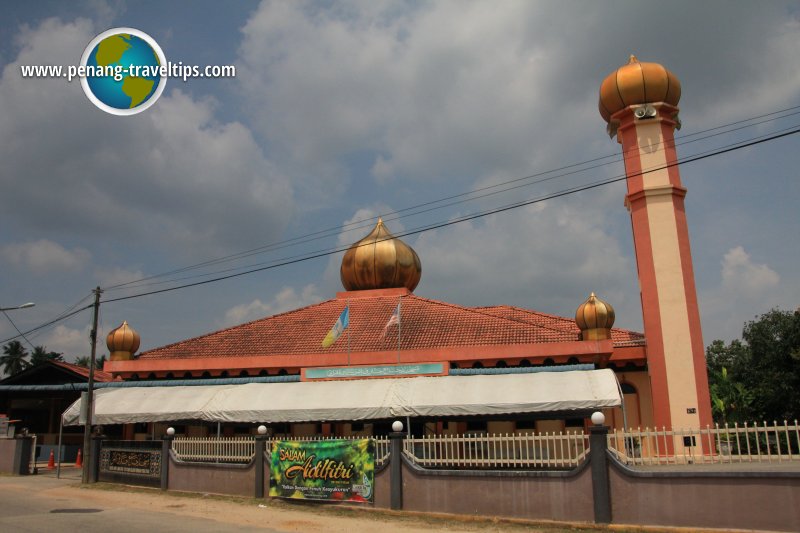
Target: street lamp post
{"x": 23, "y": 306}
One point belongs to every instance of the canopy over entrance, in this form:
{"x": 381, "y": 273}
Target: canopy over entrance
{"x": 445, "y": 396}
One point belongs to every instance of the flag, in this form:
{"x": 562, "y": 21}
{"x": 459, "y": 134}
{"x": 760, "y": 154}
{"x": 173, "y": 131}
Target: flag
{"x": 337, "y": 329}
{"x": 394, "y": 319}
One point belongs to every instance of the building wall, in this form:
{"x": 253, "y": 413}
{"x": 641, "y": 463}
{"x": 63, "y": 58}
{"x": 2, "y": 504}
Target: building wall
{"x": 7, "y": 449}
{"x": 639, "y": 406}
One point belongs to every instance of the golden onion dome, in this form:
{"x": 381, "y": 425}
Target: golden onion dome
{"x": 122, "y": 342}
{"x": 638, "y": 83}
{"x": 380, "y": 261}
{"x": 595, "y": 318}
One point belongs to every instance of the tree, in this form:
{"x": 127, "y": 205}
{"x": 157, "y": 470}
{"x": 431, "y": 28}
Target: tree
{"x": 84, "y": 361}
{"x": 730, "y": 400}
{"x": 13, "y": 359}
{"x": 40, "y": 355}
{"x": 759, "y": 375}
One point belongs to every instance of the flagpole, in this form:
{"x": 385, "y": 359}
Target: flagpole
{"x": 399, "y": 326}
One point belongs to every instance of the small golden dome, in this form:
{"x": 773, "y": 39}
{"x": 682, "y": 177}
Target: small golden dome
{"x": 122, "y": 342}
{"x": 380, "y": 261}
{"x": 638, "y": 83}
{"x": 595, "y": 318}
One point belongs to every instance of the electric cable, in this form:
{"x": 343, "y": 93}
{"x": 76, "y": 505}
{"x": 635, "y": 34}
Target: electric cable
{"x": 787, "y": 112}
{"x": 430, "y": 227}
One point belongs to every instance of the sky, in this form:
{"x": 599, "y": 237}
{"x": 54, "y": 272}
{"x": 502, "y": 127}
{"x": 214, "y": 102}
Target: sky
{"x": 343, "y": 111}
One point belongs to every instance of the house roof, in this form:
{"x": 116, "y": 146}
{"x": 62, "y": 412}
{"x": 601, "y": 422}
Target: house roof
{"x": 56, "y": 372}
{"x": 99, "y": 375}
{"x": 424, "y": 324}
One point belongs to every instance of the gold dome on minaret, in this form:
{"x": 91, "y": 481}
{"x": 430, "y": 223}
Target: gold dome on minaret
{"x": 122, "y": 342}
{"x": 595, "y": 318}
{"x": 638, "y": 83}
{"x": 380, "y": 261}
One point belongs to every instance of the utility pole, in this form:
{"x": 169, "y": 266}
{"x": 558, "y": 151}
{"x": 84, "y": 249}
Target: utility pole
{"x": 88, "y": 458}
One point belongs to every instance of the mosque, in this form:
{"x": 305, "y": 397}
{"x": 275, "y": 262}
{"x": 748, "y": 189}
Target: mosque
{"x": 452, "y": 369}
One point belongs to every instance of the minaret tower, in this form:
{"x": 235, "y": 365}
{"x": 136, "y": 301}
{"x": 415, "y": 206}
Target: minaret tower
{"x": 639, "y": 102}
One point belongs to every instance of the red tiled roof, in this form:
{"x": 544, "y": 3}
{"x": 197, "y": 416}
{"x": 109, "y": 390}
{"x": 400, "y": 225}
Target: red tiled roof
{"x": 425, "y": 324}
{"x": 99, "y": 375}
{"x": 621, "y": 337}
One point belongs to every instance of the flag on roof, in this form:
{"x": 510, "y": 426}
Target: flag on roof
{"x": 337, "y": 329}
{"x": 394, "y": 319}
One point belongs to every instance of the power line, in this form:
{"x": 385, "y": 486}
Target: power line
{"x": 430, "y": 227}
{"x": 18, "y": 331}
{"x": 472, "y": 216}
{"x": 302, "y": 239}
{"x": 50, "y": 323}
{"x": 335, "y": 250}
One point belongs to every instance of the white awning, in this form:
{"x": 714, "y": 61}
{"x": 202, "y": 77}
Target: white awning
{"x": 441, "y": 396}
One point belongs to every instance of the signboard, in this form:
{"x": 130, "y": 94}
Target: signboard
{"x": 328, "y": 470}
{"x": 131, "y": 461}
{"x": 374, "y": 371}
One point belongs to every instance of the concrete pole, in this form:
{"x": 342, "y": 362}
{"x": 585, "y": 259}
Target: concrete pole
{"x": 166, "y": 446}
{"x": 88, "y": 458}
{"x": 261, "y": 441}
{"x": 396, "y": 470}
{"x": 601, "y": 488}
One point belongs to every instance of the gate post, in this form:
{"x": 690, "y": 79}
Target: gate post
{"x": 23, "y": 450}
{"x": 166, "y": 446}
{"x": 601, "y": 489}
{"x": 94, "y": 458}
{"x": 261, "y": 440}
{"x": 395, "y": 465}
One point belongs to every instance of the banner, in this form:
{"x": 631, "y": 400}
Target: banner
{"x": 329, "y": 470}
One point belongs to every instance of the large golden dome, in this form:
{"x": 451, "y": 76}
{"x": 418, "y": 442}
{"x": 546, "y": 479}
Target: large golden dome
{"x": 638, "y": 83}
{"x": 595, "y": 318}
{"x": 380, "y": 261}
{"x": 122, "y": 342}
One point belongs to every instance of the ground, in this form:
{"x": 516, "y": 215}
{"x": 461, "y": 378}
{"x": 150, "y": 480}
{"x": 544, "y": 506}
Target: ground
{"x": 45, "y": 503}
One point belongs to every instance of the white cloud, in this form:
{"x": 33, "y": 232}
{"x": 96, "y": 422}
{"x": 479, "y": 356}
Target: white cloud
{"x": 437, "y": 90}
{"x": 451, "y": 92}
{"x": 110, "y": 276}
{"x": 547, "y": 257}
{"x": 746, "y": 289}
{"x": 70, "y": 342}
{"x": 173, "y": 176}
{"x": 286, "y": 300}
{"x": 739, "y": 273}
{"x": 44, "y": 256}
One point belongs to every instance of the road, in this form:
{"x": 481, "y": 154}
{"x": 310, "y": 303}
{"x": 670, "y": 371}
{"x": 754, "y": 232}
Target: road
{"x": 42, "y": 503}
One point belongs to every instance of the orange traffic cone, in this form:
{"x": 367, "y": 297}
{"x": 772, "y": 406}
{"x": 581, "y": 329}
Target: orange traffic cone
{"x": 51, "y": 463}
{"x": 79, "y": 460}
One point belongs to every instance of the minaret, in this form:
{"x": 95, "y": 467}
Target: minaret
{"x": 639, "y": 102}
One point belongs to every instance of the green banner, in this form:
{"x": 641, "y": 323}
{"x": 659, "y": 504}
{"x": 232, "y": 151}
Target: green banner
{"x": 330, "y": 470}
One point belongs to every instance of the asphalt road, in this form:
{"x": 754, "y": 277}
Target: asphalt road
{"x": 41, "y": 504}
